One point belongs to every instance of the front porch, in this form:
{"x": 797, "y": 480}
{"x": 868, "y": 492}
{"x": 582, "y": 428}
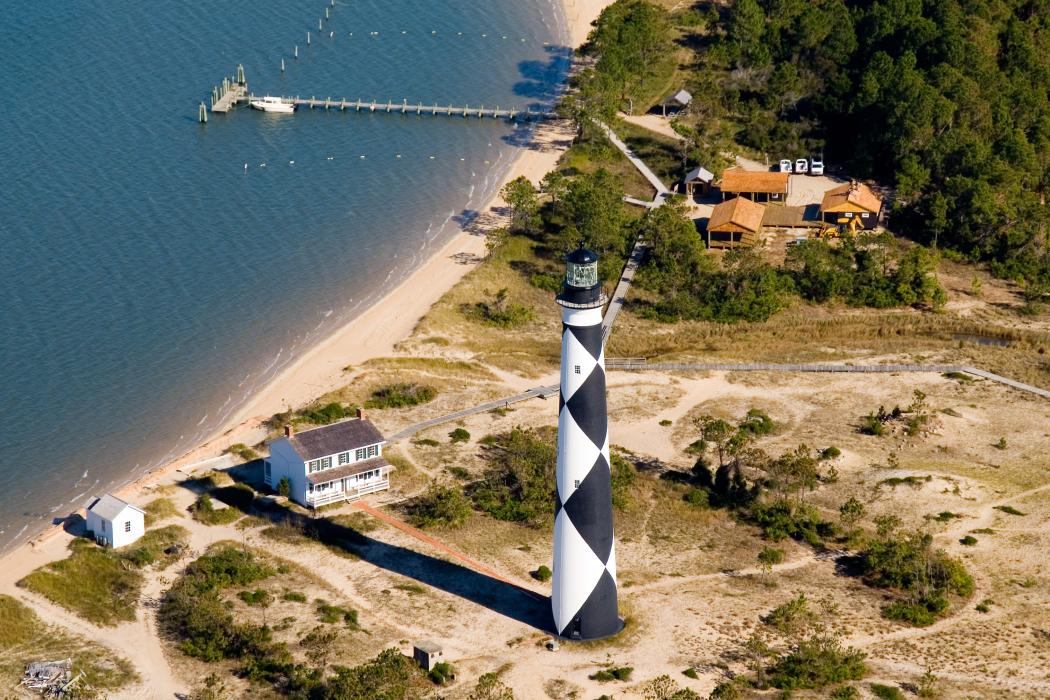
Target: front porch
{"x": 339, "y": 490}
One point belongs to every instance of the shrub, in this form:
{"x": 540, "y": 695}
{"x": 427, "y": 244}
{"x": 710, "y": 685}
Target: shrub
{"x": 872, "y": 424}
{"x": 547, "y": 282}
{"x": 439, "y": 506}
{"x": 781, "y": 520}
{"x": 691, "y": 673}
{"x": 726, "y": 690}
{"x": 817, "y": 662}
{"x": 770, "y": 556}
{"x": 459, "y": 435}
{"x": 622, "y": 476}
{"x": 500, "y": 312}
{"x": 328, "y": 413}
{"x": 985, "y": 605}
{"x": 665, "y": 422}
{"x": 204, "y": 511}
{"x": 922, "y": 611}
{"x": 846, "y": 692}
{"x": 1001, "y": 444}
{"x": 830, "y": 453}
{"x": 792, "y": 617}
{"x": 543, "y": 573}
{"x": 605, "y": 675}
{"x": 284, "y": 487}
{"x": 698, "y": 498}
{"x": 886, "y": 692}
{"x": 1009, "y": 510}
{"x": 968, "y": 541}
{"x": 944, "y": 516}
{"x": 518, "y": 486}
{"x": 442, "y": 673}
{"x": 390, "y": 675}
{"x": 426, "y": 442}
{"x": 459, "y": 472}
{"x": 757, "y": 423}
{"x": 257, "y": 598}
{"x": 401, "y": 395}
{"x": 294, "y": 597}
{"x": 331, "y": 614}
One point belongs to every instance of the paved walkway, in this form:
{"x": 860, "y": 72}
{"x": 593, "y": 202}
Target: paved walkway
{"x": 540, "y": 391}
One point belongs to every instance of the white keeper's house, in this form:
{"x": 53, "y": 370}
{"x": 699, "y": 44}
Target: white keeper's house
{"x": 336, "y": 462}
{"x": 115, "y": 523}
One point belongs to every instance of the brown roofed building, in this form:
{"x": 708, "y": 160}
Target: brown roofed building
{"x": 853, "y": 199}
{"x": 733, "y": 223}
{"x": 756, "y": 186}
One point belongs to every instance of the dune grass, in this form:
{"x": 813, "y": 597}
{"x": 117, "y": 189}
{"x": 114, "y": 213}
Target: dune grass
{"x": 24, "y": 637}
{"x": 103, "y": 585}
{"x": 160, "y": 509}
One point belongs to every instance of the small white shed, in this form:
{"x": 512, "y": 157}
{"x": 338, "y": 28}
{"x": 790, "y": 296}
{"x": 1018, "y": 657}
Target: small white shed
{"x": 115, "y": 523}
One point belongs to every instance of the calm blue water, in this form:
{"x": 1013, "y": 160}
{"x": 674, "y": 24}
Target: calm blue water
{"x": 149, "y": 282}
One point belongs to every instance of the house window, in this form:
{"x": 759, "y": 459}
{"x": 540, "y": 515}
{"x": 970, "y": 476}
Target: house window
{"x": 864, "y": 215}
{"x": 576, "y": 369}
{"x": 373, "y": 450}
{"x": 344, "y": 458}
{"x": 313, "y": 465}
{"x": 127, "y": 526}
{"x": 366, "y": 452}
{"x": 267, "y": 476}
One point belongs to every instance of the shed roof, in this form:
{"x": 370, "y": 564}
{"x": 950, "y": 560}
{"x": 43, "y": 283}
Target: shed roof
{"x": 109, "y": 507}
{"x": 699, "y": 174}
{"x": 353, "y": 469}
{"x": 740, "y": 211}
{"x": 682, "y": 97}
{"x": 740, "y": 180}
{"x": 852, "y": 196}
{"x": 428, "y": 646}
{"x": 337, "y": 437}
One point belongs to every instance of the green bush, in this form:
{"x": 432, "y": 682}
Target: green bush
{"x": 886, "y": 692}
{"x": 328, "y": 413}
{"x": 846, "y": 692}
{"x": 459, "y": 435}
{"x": 546, "y": 281}
{"x": 622, "y": 476}
{"x": 698, "y": 498}
{"x": 284, "y": 487}
{"x": 204, "y": 511}
{"x": 781, "y": 519}
{"x": 726, "y": 690}
{"x": 258, "y": 597}
{"x": 518, "y": 485}
{"x": 331, "y": 614}
{"x": 791, "y": 617}
{"x": 294, "y": 597}
{"x": 442, "y": 673}
{"x": 401, "y": 395}
{"x": 543, "y": 573}
{"x": 968, "y": 541}
{"x": 500, "y": 312}
{"x": 757, "y": 423}
{"x": 815, "y": 663}
{"x": 665, "y": 423}
{"x": 922, "y": 611}
{"x": 390, "y": 676}
{"x": 770, "y": 557}
{"x": 426, "y": 442}
{"x": 459, "y": 472}
{"x": 621, "y": 673}
{"x": 243, "y": 451}
{"x": 691, "y": 673}
{"x": 439, "y": 506}
{"x": 830, "y": 453}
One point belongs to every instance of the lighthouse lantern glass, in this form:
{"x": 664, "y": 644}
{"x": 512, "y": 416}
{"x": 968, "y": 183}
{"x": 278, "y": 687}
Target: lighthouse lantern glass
{"x": 582, "y": 276}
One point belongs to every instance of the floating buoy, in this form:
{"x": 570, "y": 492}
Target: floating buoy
{"x": 331, "y": 35}
{"x": 282, "y": 65}
{"x": 262, "y": 165}
{"x": 330, "y": 158}
{"x": 398, "y": 155}
{"x": 297, "y": 50}
{"x": 362, "y": 157}
{"x": 246, "y": 168}
{"x": 202, "y": 114}
{"x": 431, "y": 157}
{"x": 308, "y": 38}
{"x": 291, "y": 162}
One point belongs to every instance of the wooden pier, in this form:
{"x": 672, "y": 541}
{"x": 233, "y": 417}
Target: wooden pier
{"x": 233, "y": 92}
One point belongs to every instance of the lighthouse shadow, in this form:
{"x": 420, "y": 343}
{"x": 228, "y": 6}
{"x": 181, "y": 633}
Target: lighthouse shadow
{"x": 505, "y": 598}
{"x": 501, "y": 597}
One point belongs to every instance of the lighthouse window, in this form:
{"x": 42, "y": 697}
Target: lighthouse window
{"x": 576, "y": 369}
{"x": 577, "y": 482}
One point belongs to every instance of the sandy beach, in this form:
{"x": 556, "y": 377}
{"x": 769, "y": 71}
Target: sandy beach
{"x": 375, "y": 332}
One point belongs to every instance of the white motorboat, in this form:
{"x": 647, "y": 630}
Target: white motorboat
{"x": 272, "y": 104}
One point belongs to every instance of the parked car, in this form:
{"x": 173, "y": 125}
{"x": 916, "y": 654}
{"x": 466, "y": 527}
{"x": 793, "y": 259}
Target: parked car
{"x": 801, "y": 165}
{"x": 816, "y": 166}
{"x": 785, "y": 165}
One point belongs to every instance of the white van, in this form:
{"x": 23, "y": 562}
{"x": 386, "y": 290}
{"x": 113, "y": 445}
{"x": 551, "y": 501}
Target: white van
{"x": 785, "y": 165}
{"x": 801, "y": 165}
{"x": 816, "y": 166}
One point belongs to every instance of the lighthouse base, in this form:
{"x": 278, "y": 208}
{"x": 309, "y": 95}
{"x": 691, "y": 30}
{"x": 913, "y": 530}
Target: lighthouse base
{"x": 571, "y": 636}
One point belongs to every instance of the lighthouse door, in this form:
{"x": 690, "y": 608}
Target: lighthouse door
{"x": 575, "y": 629}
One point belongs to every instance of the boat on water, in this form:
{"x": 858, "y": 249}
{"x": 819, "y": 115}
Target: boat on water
{"x": 272, "y": 104}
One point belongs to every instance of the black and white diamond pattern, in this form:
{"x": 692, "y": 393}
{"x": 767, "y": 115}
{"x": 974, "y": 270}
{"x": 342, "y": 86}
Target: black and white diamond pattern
{"x": 584, "y": 585}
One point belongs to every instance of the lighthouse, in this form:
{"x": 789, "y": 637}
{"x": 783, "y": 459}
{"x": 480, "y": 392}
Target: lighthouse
{"x": 583, "y": 596}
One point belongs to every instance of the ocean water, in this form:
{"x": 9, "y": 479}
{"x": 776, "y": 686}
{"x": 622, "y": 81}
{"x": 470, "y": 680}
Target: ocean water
{"x": 154, "y": 272}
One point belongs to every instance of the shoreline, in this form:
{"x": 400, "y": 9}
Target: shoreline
{"x": 376, "y": 331}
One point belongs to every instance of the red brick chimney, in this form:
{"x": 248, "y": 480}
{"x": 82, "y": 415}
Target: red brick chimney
{"x": 289, "y": 430}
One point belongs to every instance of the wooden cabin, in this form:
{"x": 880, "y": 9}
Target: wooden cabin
{"x": 698, "y": 179}
{"x": 676, "y": 102}
{"x": 853, "y": 199}
{"x": 734, "y": 223}
{"x": 771, "y": 188}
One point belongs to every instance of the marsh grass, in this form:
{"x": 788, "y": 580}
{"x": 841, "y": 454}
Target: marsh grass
{"x": 24, "y": 637}
{"x": 102, "y": 585}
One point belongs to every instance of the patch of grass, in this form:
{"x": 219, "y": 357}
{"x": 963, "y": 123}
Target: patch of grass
{"x": 331, "y": 614}
{"x": 243, "y": 451}
{"x": 886, "y": 692}
{"x": 944, "y": 516}
{"x": 401, "y": 395}
{"x": 426, "y": 442}
{"x": 24, "y": 637}
{"x": 256, "y": 598}
{"x": 102, "y": 585}
{"x": 830, "y": 452}
{"x": 619, "y": 673}
{"x": 294, "y": 597}
{"x": 204, "y": 511}
{"x": 439, "y": 506}
{"x": 985, "y": 605}
{"x": 983, "y": 531}
{"x": 961, "y": 377}
{"x": 1009, "y": 510}
{"x": 160, "y": 509}
{"x": 459, "y": 472}
{"x": 911, "y": 480}
{"x": 325, "y": 414}
{"x": 410, "y": 588}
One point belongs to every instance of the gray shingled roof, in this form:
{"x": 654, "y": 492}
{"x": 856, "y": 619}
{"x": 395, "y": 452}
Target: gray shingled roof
{"x": 699, "y": 173}
{"x": 323, "y": 477}
{"x": 337, "y": 437}
{"x": 109, "y": 507}
{"x": 681, "y": 97}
